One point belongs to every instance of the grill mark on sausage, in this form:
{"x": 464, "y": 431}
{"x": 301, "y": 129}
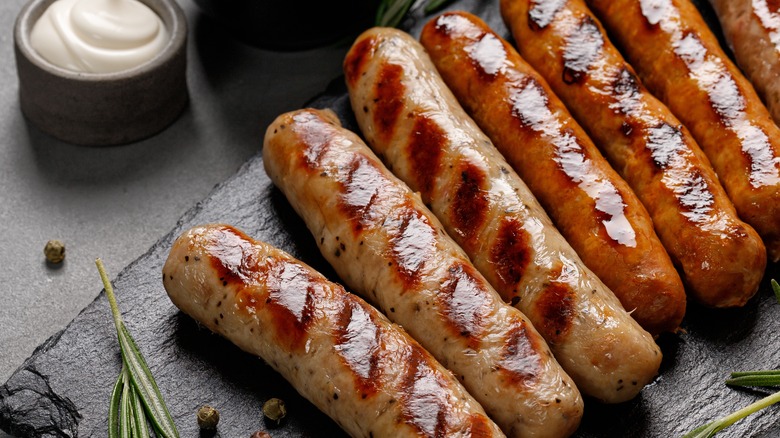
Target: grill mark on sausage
{"x": 315, "y": 135}
{"x": 358, "y": 345}
{"x": 355, "y": 62}
{"x": 424, "y": 404}
{"x": 520, "y": 358}
{"x": 465, "y": 301}
{"x": 412, "y": 242}
{"x": 556, "y": 307}
{"x": 231, "y": 255}
{"x": 530, "y": 107}
{"x": 470, "y": 204}
{"x": 479, "y": 427}
{"x": 670, "y": 153}
{"x": 388, "y": 92}
{"x": 363, "y": 185}
{"x": 582, "y": 47}
{"x": 510, "y": 253}
{"x": 426, "y": 143}
{"x": 542, "y": 12}
{"x": 292, "y": 292}
{"x": 626, "y": 94}
{"x": 728, "y": 102}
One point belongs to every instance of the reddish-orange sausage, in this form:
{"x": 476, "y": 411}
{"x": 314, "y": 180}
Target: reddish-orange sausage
{"x": 680, "y": 61}
{"x": 336, "y": 350}
{"x": 591, "y": 205}
{"x": 721, "y": 258}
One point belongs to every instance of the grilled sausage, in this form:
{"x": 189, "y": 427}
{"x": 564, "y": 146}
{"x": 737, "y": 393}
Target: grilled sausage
{"x": 721, "y": 258}
{"x": 386, "y": 245}
{"x": 751, "y": 27}
{"x": 336, "y": 350}
{"x": 457, "y": 44}
{"x": 439, "y": 151}
{"x": 681, "y": 63}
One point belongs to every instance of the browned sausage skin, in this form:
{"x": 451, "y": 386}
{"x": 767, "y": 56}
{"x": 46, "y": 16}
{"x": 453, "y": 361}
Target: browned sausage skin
{"x": 386, "y": 245}
{"x": 590, "y": 204}
{"x": 438, "y": 150}
{"x": 336, "y": 350}
{"x": 721, "y": 258}
{"x": 680, "y": 62}
{"x": 750, "y": 27}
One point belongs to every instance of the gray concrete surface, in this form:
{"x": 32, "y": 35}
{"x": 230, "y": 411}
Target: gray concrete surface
{"x": 115, "y": 202}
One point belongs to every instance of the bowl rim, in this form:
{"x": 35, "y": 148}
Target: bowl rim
{"x": 168, "y": 10}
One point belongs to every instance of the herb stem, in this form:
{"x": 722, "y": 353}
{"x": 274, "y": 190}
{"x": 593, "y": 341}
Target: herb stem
{"x": 109, "y": 294}
{"x": 750, "y": 409}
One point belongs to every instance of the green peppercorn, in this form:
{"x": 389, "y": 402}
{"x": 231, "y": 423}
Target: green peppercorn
{"x": 208, "y": 418}
{"x": 54, "y": 251}
{"x": 274, "y": 410}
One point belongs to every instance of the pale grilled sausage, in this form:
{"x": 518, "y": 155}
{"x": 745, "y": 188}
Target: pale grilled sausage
{"x": 751, "y": 28}
{"x": 386, "y": 245}
{"x": 721, "y": 258}
{"x": 679, "y": 60}
{"x": 412, "y": 120}
{"x": 338, "y": 352}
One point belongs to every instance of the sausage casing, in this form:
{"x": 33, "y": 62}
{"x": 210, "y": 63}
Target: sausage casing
{"x": 681, "y": 63}
{"x": 387, "y": 246}
{"x": 438, "y": 150}
{"x": 750, "y": 27}
{"x": 340, "y": 353}
{"x": 721, "y": 258}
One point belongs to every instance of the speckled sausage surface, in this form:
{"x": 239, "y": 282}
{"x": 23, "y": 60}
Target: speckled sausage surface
{"x": 751, "y": 28}
{"x": 721, "y": 258}
{"x": 340, "y": 353}
{"x": 386, "y": 245}
{"x": 412, "y": 120}
{"x": 679, "y": 60}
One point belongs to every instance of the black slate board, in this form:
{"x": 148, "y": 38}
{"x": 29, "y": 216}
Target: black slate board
{"x": 62, "y": 390}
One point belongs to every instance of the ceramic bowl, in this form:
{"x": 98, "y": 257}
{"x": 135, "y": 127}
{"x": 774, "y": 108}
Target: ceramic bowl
{"x": 99, "y": 109}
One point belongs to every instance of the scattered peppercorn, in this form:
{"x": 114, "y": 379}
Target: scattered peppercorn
{"x": 54, "y": 251}
{"x": 260, "y": 434}
{"x": 208, "y": 418}
{"x": 274, "y": 410}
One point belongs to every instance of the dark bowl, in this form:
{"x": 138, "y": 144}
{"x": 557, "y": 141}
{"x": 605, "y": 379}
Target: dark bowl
{"x": 289, "y": 24}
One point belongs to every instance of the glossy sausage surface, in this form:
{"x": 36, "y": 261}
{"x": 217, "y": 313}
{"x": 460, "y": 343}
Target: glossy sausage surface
{"x": 751, "y": 28}
{"x": 388, "y": 247}
{"x": 592, "y": 207}
{"x": 679, "y": 60}
{"x": 439, "y": 151}
{"x": 721, "y": 259}
{"x": 340, "y": 353}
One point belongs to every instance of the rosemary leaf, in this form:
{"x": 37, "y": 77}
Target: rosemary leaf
{"x": 776, "y": 289}
{"x": 435, "y": 5}
{"x": 755, "y": 378}
{"x": 138, "y": 377}
{"x": 392, "y": 12}
{"x": 125, "y": 416}
{"x": 113, "y": 408}
{"x": 140, "y": 429}
{"x": 146, "y": 386}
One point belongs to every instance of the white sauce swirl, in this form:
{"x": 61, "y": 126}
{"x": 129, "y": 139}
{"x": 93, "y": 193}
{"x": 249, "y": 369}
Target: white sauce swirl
{"x": 98, "y": 36}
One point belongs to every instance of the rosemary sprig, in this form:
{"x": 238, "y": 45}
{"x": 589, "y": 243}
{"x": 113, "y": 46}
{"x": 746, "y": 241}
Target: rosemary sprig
{"x": 776, "y": 289}
{"x": 712, "y": 428}
{"x": 392, "y": 12}
{"x": 135, "y": 397}
{"x": 755, "y": 378}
